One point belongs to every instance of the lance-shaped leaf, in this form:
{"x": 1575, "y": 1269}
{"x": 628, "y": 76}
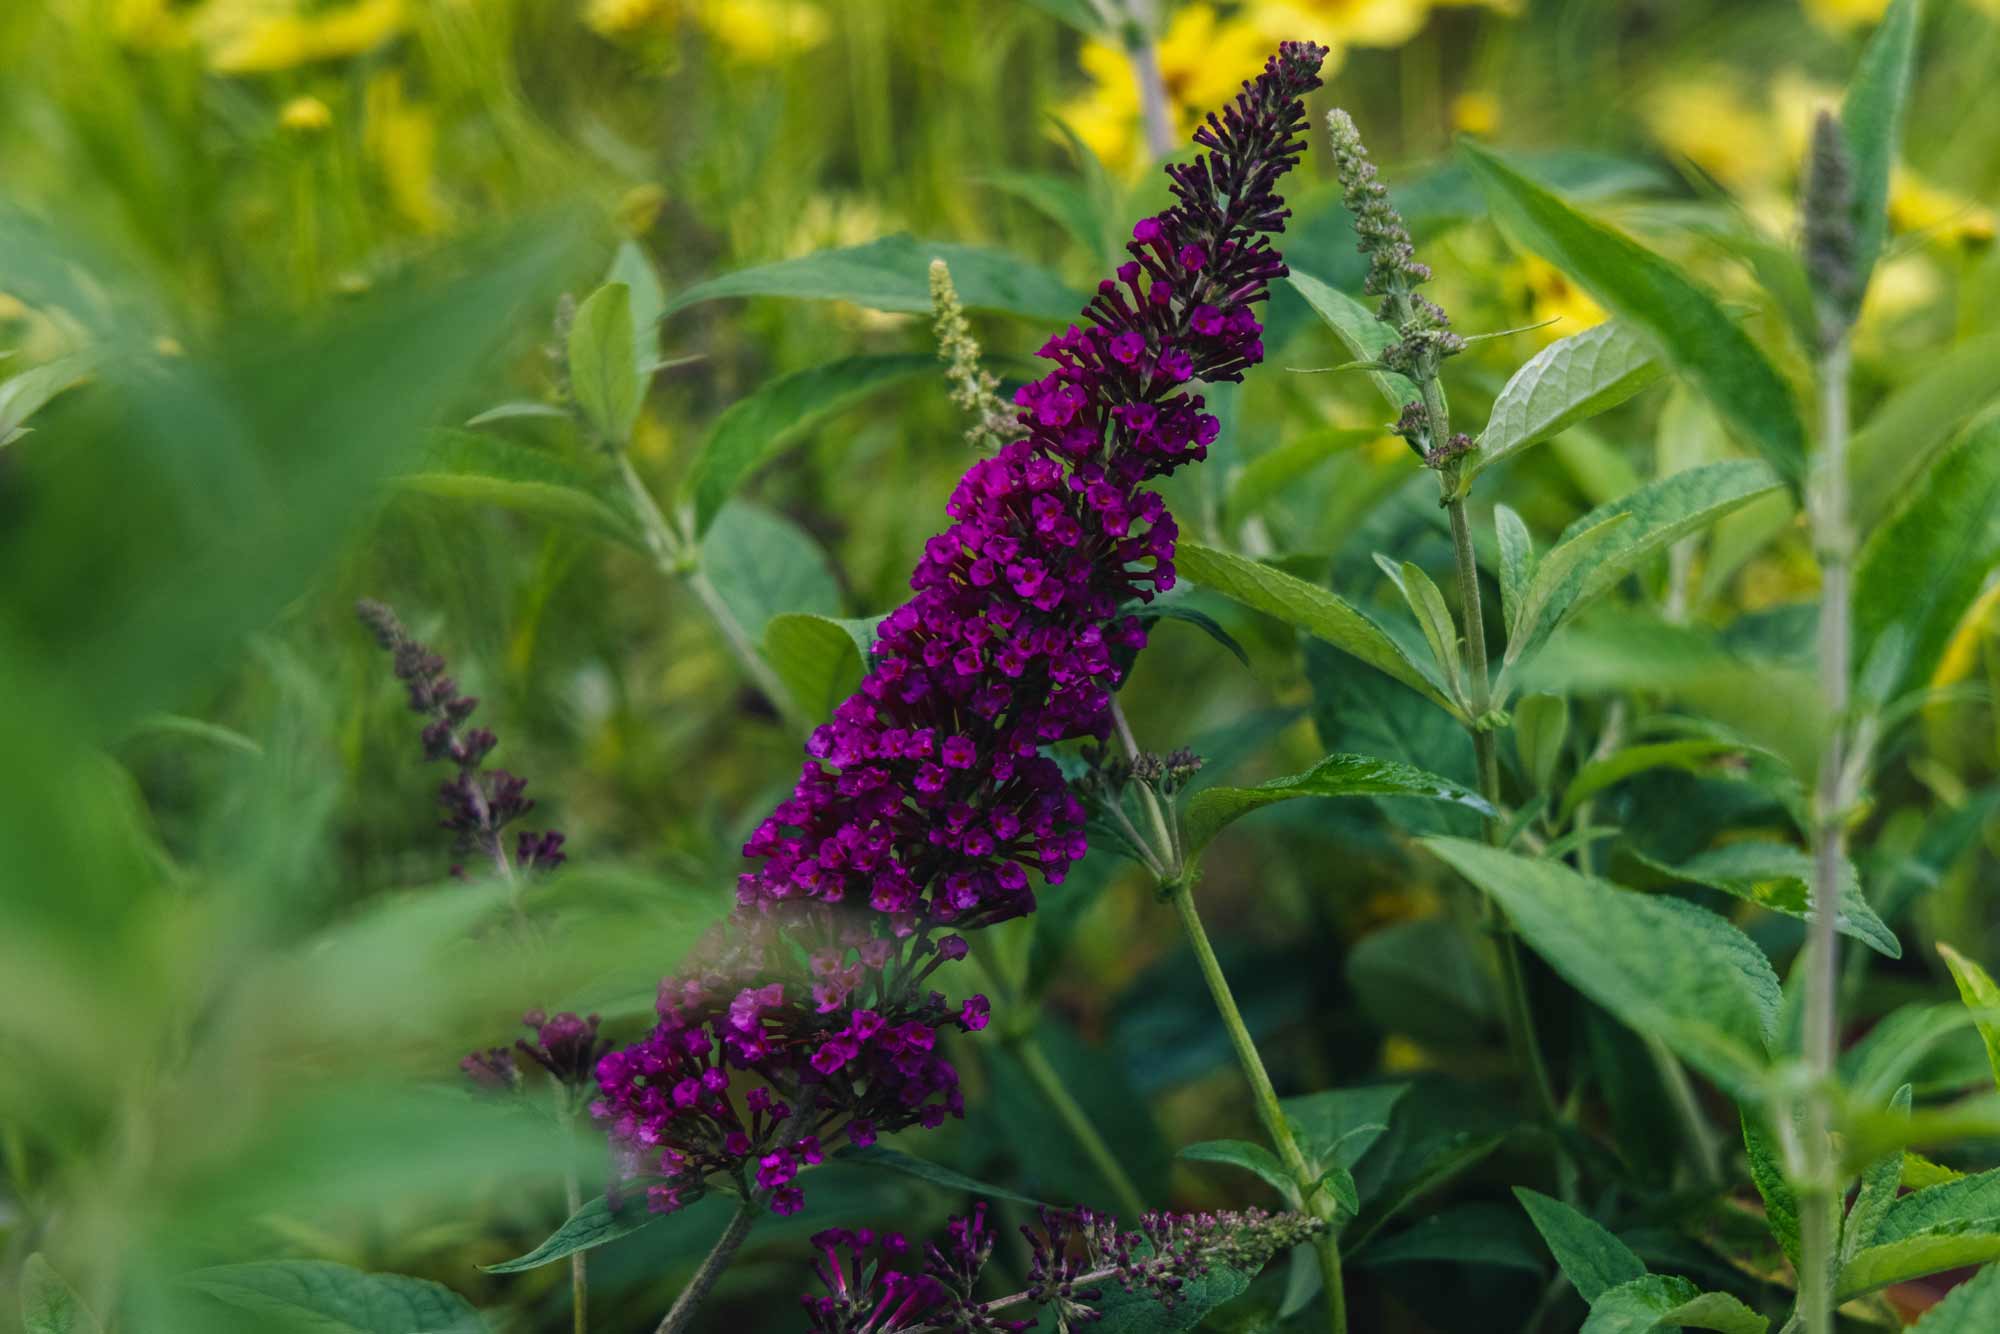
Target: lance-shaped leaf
{"x": 1517, "y": 564}
{"x": 466, "y": 466}
{"x": 1358, "y": 329}
{"x": 333, "y": 1298}
{"x": 1310, "y": 608}
{"x": 1872, "y": 116}
{"x": 1650, "y": 295}
{"x": 1881, "y": 1181}
{"x": 1591, "y": 1258}
{"x": 648, "y": 302}
{"x": 49, "y": 1305}
{"x": 1972, "y": 1201}
{"x": 1663, "y": 1302}
{"x": 1767, "y": 1174}
{"x": 1212, "y": 809}
{"x": 1976, "y": 987}
{"x": 1898, "y": 444}
{"x": 1252, "y": 1158}
{"x": 601, "y": 370}
{"x": 594, "y": 1223}
{"x": 893, "y": 274}
{"x": 1663, "y": 966}
{"x": 753, "y": 429}
{"x": 1776, "y": 876}
{"x": 892, "y": 1160}
{"x": 1427, "y": 604}
{"x": 1551, "y": 591}
{"x": 1571, "y": 380}
{"x": 1952, "y": 1246}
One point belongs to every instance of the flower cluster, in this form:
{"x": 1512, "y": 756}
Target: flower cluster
{"x": 926, "y": 802}
{"x": 1074, "y": 1256}
{"x": 478, "y": 805}
{"x": 566, "y": 1046}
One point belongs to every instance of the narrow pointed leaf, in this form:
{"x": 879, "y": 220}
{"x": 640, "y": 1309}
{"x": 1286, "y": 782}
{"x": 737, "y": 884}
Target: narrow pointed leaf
{"x": 1776, "y": 876}
{"x": 648, "y": 305}
{"x": 480, "y": 469}
{"x": 1558, "y": 578}
{"x": 1652, "y": 296}
{"x": 335, "y": 1299}
{"x": 1591, "y": 1257}
{"x": 893, "y": 1160}
{"x": 1717, "y": 1311}
{"x": 1881, "y": 1180}
{"x": 1953, "y": 1246}
{"x": 1976, "y": 987}
{"x": 1517, "y": 564}
{"x": 1969, "y": 1201}
{"x": 1427, "y": 604}
{"x": 601, "y": 369}
{"x": 1215, "y": 808}
{"x": 594, "y": 1223}
{"x": 1358, "y": 329}
{"x": 1872, "y": 116}
{"x": 1973, "y": 1307}
{"x": 1252, "y": 1158}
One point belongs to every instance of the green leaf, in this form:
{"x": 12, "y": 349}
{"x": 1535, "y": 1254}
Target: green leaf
{"x": 601, "y": 373}
{"x": 23, "y": 395}
{"x": 1274, "y": 471}
{"x": 1977, "y": 989}
{"x": 1638, "y": 1305}
{"x": 49, "y": 1305}
{"x": 1952, "y": 1246}
{"x": 593, "y": 1224}
{"x": 876, "y": 1155}
{"x": 648, "y": 305}
{"x": 1924, "y": 566}
{"x": 1541, "y": 731}
{"x": 893, "y": 274}
{"x": 1161, "y": 609}
{"x": 517, "y": 411}
{"x": 1693, "y": 755}
{"x": 1881, "y": 1180}
{"x": 1970, "y": 1200}
{"x": 754, "y": 429}
{"x": 334, "y": 1299}
{"x": 1433, "y": 616}
{"x": 1570, "y": 380}
{"x": 1767, "y": 1173}
{"x": 1138, "y": 1313}
{"x": 1656, "y": 515}
{"x": 1336, "y": 1127}
{"x": 1662, "y": 966}
{"x": 1557, "y": 580}
{"x": 1252, "y": 1158}
{"x": 819, "y": 658}
{"x": 1652, "y": 296}
{"x": 1872, "y": 116}
{"x": 1591, "y": 1258}
{"x": 1517, "y": 564}
{"x": 763, "y": 565}
{"x": 1308, "y": 607}
{"x": 1973, "y": 1307}
{"x": 1777, "y": 876}
{"x": 1357, "y": 328}
{"x": 478, "y": 469}
{"x": 1717, "y": 1311}
{"x": 1898, "y": 444}
{"x": 1214, "y": 808}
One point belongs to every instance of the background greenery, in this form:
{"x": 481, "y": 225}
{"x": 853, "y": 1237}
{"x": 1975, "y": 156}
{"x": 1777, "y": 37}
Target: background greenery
{"x": 281, "y": 241}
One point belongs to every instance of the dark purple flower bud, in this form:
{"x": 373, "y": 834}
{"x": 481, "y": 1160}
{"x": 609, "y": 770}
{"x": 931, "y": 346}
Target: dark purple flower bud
{"x": 492, "y": 1070}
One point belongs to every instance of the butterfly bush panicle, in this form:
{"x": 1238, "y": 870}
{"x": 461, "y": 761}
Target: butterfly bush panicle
{"x": 478, "y": 804}
{"x": 926, "y": 802}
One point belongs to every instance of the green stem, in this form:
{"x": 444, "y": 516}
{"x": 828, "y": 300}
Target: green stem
{"x": 579, "y": 1276}
{"x": 1833, "y": 539}
{"x": 1319, "y": 1202}
{"x": 676, "y": 1320}
{"x": 1036, "y": 1062}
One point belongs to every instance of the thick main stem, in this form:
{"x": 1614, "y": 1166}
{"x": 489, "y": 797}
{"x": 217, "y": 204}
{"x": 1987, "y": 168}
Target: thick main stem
{"x": 1833, "y": 539}
{"x": 1318, "y": 1202}
{"x": 1077, "y": 1122}
{"x": 677, "y": 1320}
{"x": 579, "y": 1275}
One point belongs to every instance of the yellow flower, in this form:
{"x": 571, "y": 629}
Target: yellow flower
{"x": 1475, "y": 113}
{"x": 260, "y": 36}
{"x": 1840, "y": 14}
{"x": 764, "y": 31}
{"x": 402, "y": 140}
{"x": 1203, "y": 60}
{"x": 1346, "y": 22}
{"x": 624, "y": 18}
{"x": 1550, "y": 295}
{"x": 148, "y": 24}
{"x": 1916, "y": 205}
{"x": 305, "y": 115}
{"x": 1711, "y": 123}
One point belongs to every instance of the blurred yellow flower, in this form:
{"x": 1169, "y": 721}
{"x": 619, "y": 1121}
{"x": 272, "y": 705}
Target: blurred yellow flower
{"x": 1711, "y": 123}
{"x": 1340, "y": 23}
{"x": 260, "y": 36}
{"x": 151, "y": 24}
{"x": 1547, "y": 294}
{"x": 1203, "y": 60}
{"x": 305, "y": 115}
{"x": 1475, "y": 113}
{"x": 402, "y": 140}
{"x": 623, "y": 18}
{"x": 1916, "y": 205}
{"x": 763, "y": 31}
{"x": 1845, "y": 13}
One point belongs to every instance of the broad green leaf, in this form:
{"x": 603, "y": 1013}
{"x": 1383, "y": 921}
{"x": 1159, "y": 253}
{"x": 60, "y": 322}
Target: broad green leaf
{"x": 1591, "y": 1257}
{"x": 1161, "y": 609}
{"x": 752, "y": 431}
{"x": 482, "y": 470}
{"x": 1275, "y": 470}
{"x": 1717, "y": 1311}
{"x": 1881, "y": 1180}
{"x": 1638, "y": 1305}
{"x": 593, "y": 1224}
{"x": 1898, "y": 444}
{"x": 1650, "y": 295}
{"x": 1777, "y": 876}
{"x": 1952, "y": 1246}
{"x": 1973, "y": 1307}
{"x": 1976, "y": 987}
{"x": 876, "y": 1155}
{"x": 763, "y": 565}
{"x": 1656, "y": 515}
{"x": 1920, "y": 1173}
{"x": 1308, "y": 607}
{"x": 1970, "y": 1200}
{"x": 49, "y": 1305}
{"x": 1693, "y": 755}
{"x": 1664, "y": 967}
{"x": 1517, "y": 564}
{"x": 1138, "y": 1313}
{"x": 1214, "y": 808}
{"x": 1427, "y": 604}
{"x": 1767, "y": 1173}
{"x": 334, "y": 1299}
{"x": 820, "y": 659}
{"x": 1252, "y": 1158}
{"x": 1923, "y": 567}
{"x": 601, "y": 373}
{"x": 1359, "y": 331}
{"x": 1872, "y": 116}
{"x": 1541, "y": 730}
{"x": 1336, "y": 1127}
{"x": 1570, "y": 380}
{"x": 1553, "y": 589}
{"x": 648, "y": 301}
{"x": 893, "y": 274}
